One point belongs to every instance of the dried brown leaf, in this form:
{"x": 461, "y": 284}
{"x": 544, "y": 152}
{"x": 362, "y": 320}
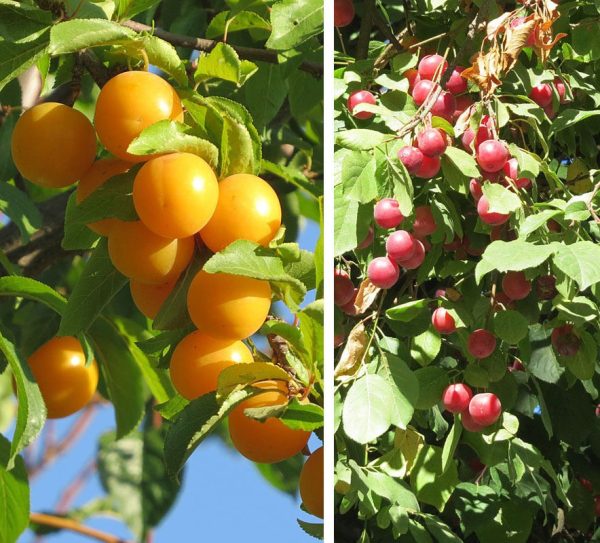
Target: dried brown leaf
{"x": 485, "y": 71}
{"x": 497, "y": 25}
{"x": 353, "y": 352}
{"x": 367, "y": 294}
{"x": 516, "y": 38}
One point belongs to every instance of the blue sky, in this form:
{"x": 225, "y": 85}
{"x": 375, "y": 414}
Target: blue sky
{"x": 224, "y": 497}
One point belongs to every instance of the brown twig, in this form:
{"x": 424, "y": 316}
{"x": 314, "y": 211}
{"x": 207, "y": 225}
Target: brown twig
{"x": 73, "y": 526}
{"x": 71, "y": 492}
{"x": 202, "y": 44}
{"x": 366, "y": 25}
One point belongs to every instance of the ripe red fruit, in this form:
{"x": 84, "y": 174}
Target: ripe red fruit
{"x": 400, "y": 245}
{"x": 597, "y": 505}
{"x": 343, "y": 288}
{"x": 492, "y": 218}
{"x": 454, "y": 245}
{"x": 492, "y": 155}
{"x": 343, "y": 12}
{"x": 444, "y": 106}
{"x": 416, "y": 259}
{"x": 511, "y": 170}
{"x": 586, "y": 483}
{"x": 413, "y": 78}
{"x": 468, "y": 422}
{"x": 430, "y": 167}
{"x": 424, "y": 224}
{"x": 456, "y": 398}
{"x": 349, "y": 308}
{"x": 443, "y": 321}
{"x": 368, "y": 239}
{"x": 481, "y": 343}
{"x": 411, "y": 157}
{"x": 541, "y": 94}
{"x": 457, "y": 84}
{"x": 515, "y": 285}
{"x": 387, "y": 213}
{"x": 361, "y": 97}
{"x": 517, "y": 365}
{"x": 429, "y": 64}
{"x": 475, "y": 189}
{"x": 462, "y": 104}
{"x": 549, "y": 111}
{"x": 545, "y": 287}
{"x": 565, "y": 341}
{"x": 553, "y": 226}
{"x": 383, "y": 272}
{"x": 422, "y": 89}
{"x": 485, "y": 408}
{"x": 432, "y": 142}
{"x": 484, "y": 133}
{"x": 559, "y": 85}
{"x": 440, "y": 293}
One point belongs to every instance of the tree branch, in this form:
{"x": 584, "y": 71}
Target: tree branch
{"x": 73, "y": 526}
{"x": 202, "y": 44}
{"x": 366, "y": 25}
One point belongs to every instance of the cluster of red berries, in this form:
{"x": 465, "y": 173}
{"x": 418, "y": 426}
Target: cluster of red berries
{"x": 477, "y": 412}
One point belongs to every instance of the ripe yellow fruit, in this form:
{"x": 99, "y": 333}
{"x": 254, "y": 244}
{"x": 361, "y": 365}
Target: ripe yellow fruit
{"x": 141, "y": 255}
{"x": 248, "y": 208}
{"x": 198, "y": 360}
{"x": 53, "y": 145}
{"x": 150, "y": 298}
{"x": 269, "y": 441}
{"x": 311, "y": 483}
{"x": 65, "y": 382}
{"x": 100, "y": 172}
{"x": 129, "y": 103}
{"x": 175, "y": 195}
{"x": 228, "y": 306}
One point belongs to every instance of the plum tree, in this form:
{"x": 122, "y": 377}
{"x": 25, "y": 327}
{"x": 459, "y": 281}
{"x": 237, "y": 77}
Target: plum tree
{"x": 485, "y": 408}
{"x": 361, "y": 97}
{"x": 411, "y": 157}
{"x": 432, "y": 142}
{"x": 343, "y": 287}
{"x": 456, "y": 398}
{"x": 387, "y": 213}
{"x": 130, "y": 102}
{"x": 383, "y": 272}
{"x": 516, "y": 286}
{"x": 247, "y": 196}
{"x": 53, "y": 145}
{"x": 66, "y": 382}
{"x": 481, "y": 343}
{"x": 176, "y": 195}
{"x": 149, "y": 298}
{"x": 199, "y": 359}
{"x": 443, "y": 321}
{"x": 400, "y": 245}
{"x": 311, "y": 483}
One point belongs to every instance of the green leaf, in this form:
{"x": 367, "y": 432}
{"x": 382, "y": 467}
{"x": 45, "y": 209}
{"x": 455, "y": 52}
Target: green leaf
{"x": 366, "y": 413}
{"x": 15, "y": 58}
{"x": 351, "y": 221}
{"x": 170, "y": 136}
{"x": 405, "y": 388}
{"x": 173, "y": 314}
{"x": 31, "y": 412}
{"x": 194, "y": 423}
{"x": 360, "y": 139}
{"x": 313, "y": 529}
{"x": 536, "y": 221}
{"x": 224, "y": 63}
{"x": 248, "y": 259}
{"x": 431, "y": 483}
{"x": 294, "y": 23}
{"x": 529, "y": 164}
{"x": 14, "y": 496}
{"x": 510, "y": 326}
{"x": 164, "y": 56}
{"x": 112, "y": 199}
{"x": 408, "y": 311}
{"x": 226, "y": 22}
{"x": 450, "y": 445}
{"x": 121, "y": 373}
{"x": 265, "y": 93}
{"x": 99, "y": 282}
{"x": 77, "y": 235}
{"x": 127, "y": 9}
{"x": 432, "y": 382}
{"x": 133, "y": 474}
{"x": 501, "y": 199}
{"x": 579, "y": 261}
{"x": 425, "y": 347}
{"x": 542, "y": 362}
{"x": 22, "y": 22}
{"x": 303, "y": 416}
{"x": 583, "y": 364}
{"x": 569, "y": 117}
{"x": 311, "y": 326}
{"x": 22, "y": 211}
{"x": 463, "y": 161}
{"x": 25, "y": 287}
{"x": 77, "y": 34}
{"x": 514, "y": 255}
{"x": 393, "y": 175}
